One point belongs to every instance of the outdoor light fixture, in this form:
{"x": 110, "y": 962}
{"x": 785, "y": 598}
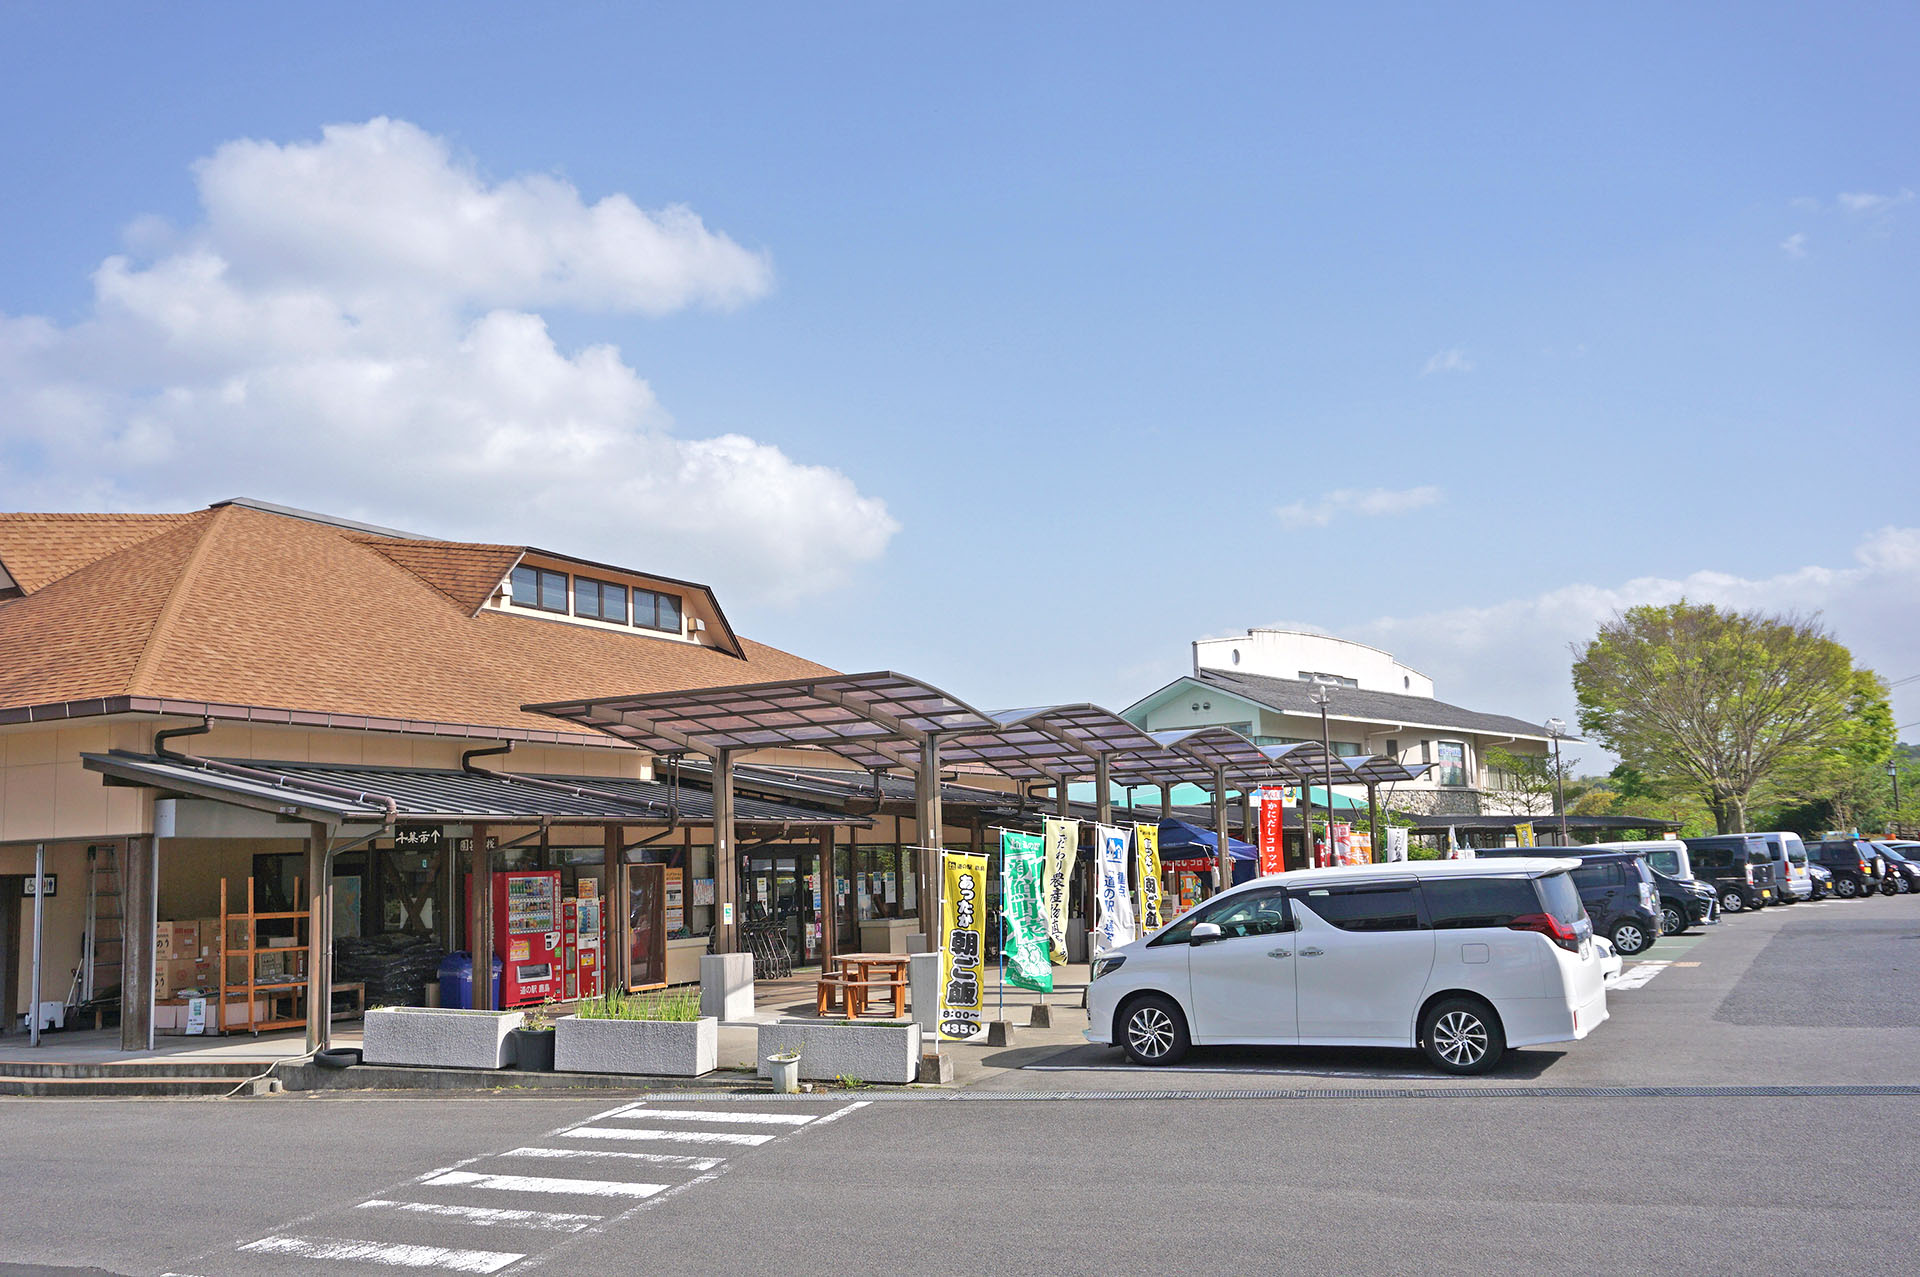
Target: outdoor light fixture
{"x": 1322, "y": 693}
{"x": 1557, "y": 728}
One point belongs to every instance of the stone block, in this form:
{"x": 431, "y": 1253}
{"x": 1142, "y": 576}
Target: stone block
{"x": 726, "y": 986}
{"x": 659, "y": 1048}
{"x": 999, "y": 1033}
{"x": 440, "y": 1037}
{"x": 873, "y": 1051}
{"x": 923, "y": 991}
{"x": 1042, "y": 1016}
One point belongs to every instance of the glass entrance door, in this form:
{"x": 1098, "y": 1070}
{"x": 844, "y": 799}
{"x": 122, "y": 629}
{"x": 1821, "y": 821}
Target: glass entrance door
{"x": 783, "y": 893}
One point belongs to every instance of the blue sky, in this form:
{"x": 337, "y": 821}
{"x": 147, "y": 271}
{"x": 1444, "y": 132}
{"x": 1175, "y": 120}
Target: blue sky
{"x": 1052, "y": 340}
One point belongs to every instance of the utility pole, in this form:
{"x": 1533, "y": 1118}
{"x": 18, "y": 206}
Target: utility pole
{"x": 1320, "y": 695}
{"x": 1557, "y": 728}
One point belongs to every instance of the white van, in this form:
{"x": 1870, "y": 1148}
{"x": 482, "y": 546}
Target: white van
{"x": 1461, "y": 958}
{"x": 1790, "y": 865}
{"x": 1668, "y": 855}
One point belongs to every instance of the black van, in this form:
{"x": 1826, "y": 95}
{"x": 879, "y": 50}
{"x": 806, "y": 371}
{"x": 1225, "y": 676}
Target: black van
{"x": 1738, "y": 866}
{"x": 1856, "y": 867}
{"x": 1617, "y": 888}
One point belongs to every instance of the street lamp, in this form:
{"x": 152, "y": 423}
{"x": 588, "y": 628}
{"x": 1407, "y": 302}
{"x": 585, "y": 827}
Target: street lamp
{"x": 1322, "y": 693}
{"x": 1557, "y": 728}
{"x": 1893, "y": 772}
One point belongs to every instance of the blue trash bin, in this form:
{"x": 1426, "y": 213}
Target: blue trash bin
{"x": 456, "y": 981}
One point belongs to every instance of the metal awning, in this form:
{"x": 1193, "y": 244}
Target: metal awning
{"x": 876, "y": 719}
{"x": 838, "y": 785}
{"x": 1050, "y": 742}
{"x": 302, "y": 791}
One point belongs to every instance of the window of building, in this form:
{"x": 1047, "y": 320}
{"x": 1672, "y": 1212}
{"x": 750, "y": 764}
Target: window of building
{"x": 1245, "y": 729}
{"x": 539, "y": 588}
{"x": 1393, "y": 750}
{"x": 1345, "y": 749}
{"x": 653, "y": 610}
{"x": 1453, "y": 762}
{"x": 601, "y": 600}
{"x": 1367, "y": 908}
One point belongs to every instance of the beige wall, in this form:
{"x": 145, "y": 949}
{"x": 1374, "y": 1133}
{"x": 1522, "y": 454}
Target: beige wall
{"x": 65, "y": 922}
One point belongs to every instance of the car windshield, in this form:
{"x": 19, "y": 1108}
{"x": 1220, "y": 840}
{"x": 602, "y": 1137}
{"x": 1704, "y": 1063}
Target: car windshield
{"x": 1761, "y": 855}
{"x": 1562, "y": 898}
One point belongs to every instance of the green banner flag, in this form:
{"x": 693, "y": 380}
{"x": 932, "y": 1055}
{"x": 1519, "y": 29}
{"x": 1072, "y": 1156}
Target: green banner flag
{"x": 1023, "y": 861}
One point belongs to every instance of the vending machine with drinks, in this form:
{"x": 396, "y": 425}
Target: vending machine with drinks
{"x": 585, "y": 974}
{"x": 527, "y": 925}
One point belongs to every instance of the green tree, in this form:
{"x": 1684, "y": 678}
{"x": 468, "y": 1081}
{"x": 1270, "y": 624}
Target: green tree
{"x": 1734, "y": 707}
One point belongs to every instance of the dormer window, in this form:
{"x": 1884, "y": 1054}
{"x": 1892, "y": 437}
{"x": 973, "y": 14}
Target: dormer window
{"x": 601, "y": 600}
{"x": 653, "y": 610}
{"x": 539, "y": 588}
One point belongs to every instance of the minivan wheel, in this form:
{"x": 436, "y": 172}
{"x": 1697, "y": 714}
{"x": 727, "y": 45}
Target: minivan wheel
{"x": 1732, "y": 901}
{"x": 1890, "y": 887}
{"x": 1153, "y": 1031}
{"x": 1845, "y": 888}
{"x": 1630, "y": 938}
{"x": 1672, "y": 921}
{"x": 1462, "y": 1035}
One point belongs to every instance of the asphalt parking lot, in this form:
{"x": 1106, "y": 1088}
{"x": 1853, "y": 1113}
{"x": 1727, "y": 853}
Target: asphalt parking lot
{"x": 1820, "y": 993}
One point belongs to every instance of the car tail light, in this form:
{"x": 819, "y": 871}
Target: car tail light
{"x": 1864, "y": 869}
{"x": 1749, "y": 875}
{"x": 1550, "y": 927}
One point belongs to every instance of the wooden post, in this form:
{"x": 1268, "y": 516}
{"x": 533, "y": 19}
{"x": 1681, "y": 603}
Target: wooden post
{"x": 726, "y": 863}
{"x": 830, "y": 922}
{"x": 1166, "y": 801}
{"x": 1373, "y": 822}
{"x": 139, "y": 909}
{"x": 1223, "y": 861}
{"x": 613, "y": 912}
{"x": 319, "y": 987}
{"x": 480, "y": 934}
{"x": 929, "y": 830}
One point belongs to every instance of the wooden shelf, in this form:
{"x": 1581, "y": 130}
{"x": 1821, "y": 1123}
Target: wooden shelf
{"x": 253, "y": 989}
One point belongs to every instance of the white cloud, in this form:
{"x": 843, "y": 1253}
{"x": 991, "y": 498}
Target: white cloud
{"x": 1795, "y": 245}
{"x": 1364, "y": 502}
{"x": 1514, "y": 657}
{"x": 354, "y": 326}
{"x": 1866, "y": 203}
{"x": 1453, "y": 359}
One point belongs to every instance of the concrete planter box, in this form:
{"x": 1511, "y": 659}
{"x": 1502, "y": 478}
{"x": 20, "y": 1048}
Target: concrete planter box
{"x": 662, "y": 1048}
{"x": 871, "y": 1050}
{"x": 440, "y": 1037}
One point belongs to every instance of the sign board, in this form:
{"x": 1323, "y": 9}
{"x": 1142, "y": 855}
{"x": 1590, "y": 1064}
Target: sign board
{"x": 1273, "y": 815}
{"x": 420, "y": 838}
{"x": 50, "y": 884}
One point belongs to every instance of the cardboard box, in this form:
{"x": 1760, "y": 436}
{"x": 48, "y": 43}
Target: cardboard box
{"x": 176, "y": 940}
{"x": 209, "y": 939}
{"x": 170, "y": 975}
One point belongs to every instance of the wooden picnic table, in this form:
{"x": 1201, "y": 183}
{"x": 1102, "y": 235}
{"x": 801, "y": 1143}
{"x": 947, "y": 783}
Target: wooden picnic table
{"x": 857, "y": 977}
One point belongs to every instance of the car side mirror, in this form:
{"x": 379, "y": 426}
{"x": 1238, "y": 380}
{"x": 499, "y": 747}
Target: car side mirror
{"x": 1204, "y": 933}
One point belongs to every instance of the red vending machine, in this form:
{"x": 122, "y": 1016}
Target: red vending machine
{"x": 527, "y": 926}
{"x": 582, "y": 940}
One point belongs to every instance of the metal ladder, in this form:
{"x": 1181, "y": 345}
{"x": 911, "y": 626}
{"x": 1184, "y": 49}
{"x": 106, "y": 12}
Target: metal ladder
{"x": 102, "y": 954}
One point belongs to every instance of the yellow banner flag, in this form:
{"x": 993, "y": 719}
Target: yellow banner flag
{"x": 1523, "y": 834}
{"x": 963, "y": 907}
{"x": 1146, "y": 842}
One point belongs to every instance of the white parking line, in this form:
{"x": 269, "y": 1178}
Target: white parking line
{"x": 714, "y": 1115}
{"x": 393, "y": 1254}
{"x": 544, "y": 1184}
{"x": 490, "y": 1216}
{"x": 652, "y": 1159}
{"x": 671, "y": 1137}
{"x": 1637, "y": 975}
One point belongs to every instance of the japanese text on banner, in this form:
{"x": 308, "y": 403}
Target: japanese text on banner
{"x": 963, "y": 906}
{"x": 1023, "y": 861}
{"x": 1115, "y": 926}
{"x": 1063, "y": 848}
{"x": 1273, "y": 814}
{"x": 1146, "y": 841}
{"x": 1523, "y": 833}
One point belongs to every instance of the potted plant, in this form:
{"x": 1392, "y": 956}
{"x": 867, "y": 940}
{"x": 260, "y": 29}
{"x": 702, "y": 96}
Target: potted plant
{"x": 659, "y": 1033}
{"x": 533, "y": 1040}
{"x": 784, "y": 1067}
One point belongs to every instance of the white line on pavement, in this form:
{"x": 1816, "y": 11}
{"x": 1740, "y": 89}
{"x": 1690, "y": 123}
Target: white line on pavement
{"x": 842, "y": 1111}
{"x": 490, "y": 1216}
{"x": 1297, "y": 1070}
{"x": 652, "y": 1159}
{"x": 715, "y": 1115}
{"x": 672, "y": 1137}
{"x": 544, "y": 1184}
{"x": 393, "y": 1254}
{"x": 1638, "y": 975}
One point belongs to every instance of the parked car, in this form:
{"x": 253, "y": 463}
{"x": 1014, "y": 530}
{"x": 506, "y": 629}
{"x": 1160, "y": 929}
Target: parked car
{"x": 1617, "y": 888}
{"x": 1789, "y": 866}
{"x": 1902, "y": 874}
{"x": 1664, "y": 855}
{"x": 1610, "y": 963}
{"x": 1822, "y": 879}
{"x": 1460, "y": 958}
{"x": 1739, "y": 867}
{"x": 1855, "y": 865}
{"x": 1684, "y": 903}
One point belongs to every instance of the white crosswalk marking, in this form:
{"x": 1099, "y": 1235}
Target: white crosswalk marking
{"x": 489, "y": 1216}
{"x": 713, "y": 1115}
{"x": 393, "y": 1254}
{"x": 543, "y": 1184}
{"x": 671, "y": 1137}
{"x": 652, "y": 1159}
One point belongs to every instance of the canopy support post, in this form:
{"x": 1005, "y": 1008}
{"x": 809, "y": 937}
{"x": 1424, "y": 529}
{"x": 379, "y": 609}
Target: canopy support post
{"x": 1223, "y": 864}
{"x": 726, "y": 862}
{"x": 480, "y": 933}
{"x": 1373, "y": 821}
{"x": 930, "y": 823}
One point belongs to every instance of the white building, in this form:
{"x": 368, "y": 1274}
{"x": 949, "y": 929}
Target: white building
{"x": 1260, "y": 684}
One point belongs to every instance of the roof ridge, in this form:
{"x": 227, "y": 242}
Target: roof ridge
{"x": 176, "y": 601}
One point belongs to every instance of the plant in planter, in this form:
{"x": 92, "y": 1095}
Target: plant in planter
{"x": 658, "y": 1033}
{"x": 533, "y": 1041}
{"x": 440, "y": 1037}
{"x": 784, "y": 1067}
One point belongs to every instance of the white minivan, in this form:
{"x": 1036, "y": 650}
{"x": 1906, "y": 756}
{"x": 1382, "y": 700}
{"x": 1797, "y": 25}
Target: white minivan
{"x": 1461, "y": 958}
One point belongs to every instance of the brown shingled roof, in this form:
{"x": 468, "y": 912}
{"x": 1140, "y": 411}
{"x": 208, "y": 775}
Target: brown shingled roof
{"x": 241, "y": 607}
{"x": 39, "y": 549}
{"x": 464, "y": 572}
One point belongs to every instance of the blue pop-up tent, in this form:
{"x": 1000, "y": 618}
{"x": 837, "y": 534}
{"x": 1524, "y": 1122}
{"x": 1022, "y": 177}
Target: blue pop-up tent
{"x": 1186, "y": 844}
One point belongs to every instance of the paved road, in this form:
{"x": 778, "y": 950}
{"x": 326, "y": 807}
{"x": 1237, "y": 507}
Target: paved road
{"x": 1463, "y": 1179}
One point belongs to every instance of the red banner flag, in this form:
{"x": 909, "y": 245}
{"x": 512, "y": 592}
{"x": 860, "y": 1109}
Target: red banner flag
{"x": 1273, "y": 813}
